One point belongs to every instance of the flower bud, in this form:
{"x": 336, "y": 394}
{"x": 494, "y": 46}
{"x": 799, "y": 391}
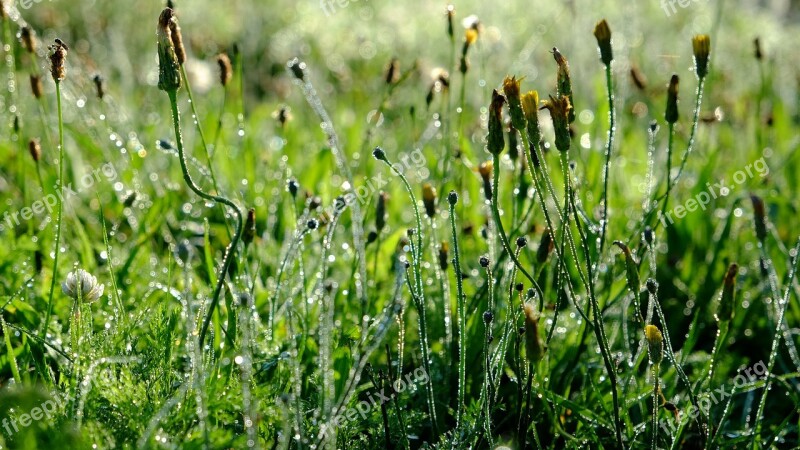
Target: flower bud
{"x": 564, "y": 82}
{"x": 485, "y": 171}
{"x": 392, "y": 72}
{"x": 495, "y": 140}
{"x": 249, "y": 227}
{"x": 28, "y": 38}
{"x": 443, "y": 255}
{"x": 98, "y": 84}
{"x": 225, "y": 69}
{"x": 81, "y": 285}
{"x": 36, "y": 86}
{"x": 35, "y": 149}
{"x": 671, "y": 115}
{"x": 701, "y": 46}
{"x": 484, "y": 261}
{"x": 760, "y": 217}
{"x": 655, "y": 344}
{"x": 429, "y": 199}
{"x": 530, "y": 106}
{"x": 533, "y": 343}
{"x": 559, "y": 108}
{"x": 169, "y": 75}
{"x": 515, "y": 110}
{"x": 452, "y": 198}
{"x": 603, "y": 35}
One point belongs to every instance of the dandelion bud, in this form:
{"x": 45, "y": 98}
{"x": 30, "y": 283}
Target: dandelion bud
{"x": 603, "y": 35}
{"x": 546, "y": 246}
{"x": 169, "y": 75}
{"x": 655, "y": 344}
{"x": 533, "y": 343}
{"x": 452, "y": 198}
{"x": 35, "y": 148}
{"x": 728, "y": 300}
{"x": 28, "y": 38}
{"x": 485, "y": 171}
{"x": 515, "y": 109}
{"x": 98, "y": 84}
{"x": 444, "y": 250}
{"x": 564, "y": 82}
{"x": 380, "y": 211}
{"x": 58, "y": 56}
{"x": 393, "y": 71}
{"x": 81, "y": 285}
{"x": 429, "y": 199}
{"x": 249, "y": 227}
{"x": 701, "y": 46}
{"x": 530, "y": 106}
{"x": 225, "y": 69}
{"x": 36, "y": 86}
{"x": 559, "y": 108}
{"x": 495, "y": 140}
{"x": 759, "y": 214}
{"x": 671, "y": 115}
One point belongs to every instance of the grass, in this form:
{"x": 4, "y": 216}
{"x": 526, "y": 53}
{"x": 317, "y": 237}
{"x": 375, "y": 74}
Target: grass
{"x": 279, "y": 285}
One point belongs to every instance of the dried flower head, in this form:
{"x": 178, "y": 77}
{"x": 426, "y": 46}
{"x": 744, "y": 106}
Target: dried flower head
{"x": 533, "y": 342}
{"x": 81, "y": 285}
{"x": 603, "y": 35}
{"x": 169, "y": 74}
{"x": 671, "y": 114}
{"x": 36, "y": 86}
{"x": 225, "y": 69}
{"x": 58, "y": 57}
{"x": 701, "y": 46}
{"x": 429, "y": 199}
{"x": 28, "y": 38}
{"x": 559, "y": 108}
{"x": 495, "y": 140}
{"x": 35, "y": 149}
{"x": 655, "y": 344}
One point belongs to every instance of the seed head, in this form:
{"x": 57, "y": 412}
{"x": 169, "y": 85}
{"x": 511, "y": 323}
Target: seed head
{"x": 429, "y": 199}
{"x": 36, "y": 86}
{"x": 35, "y": 149}
{"x": 533, "y": 343}
{"x": 760, "y": 217}
{"x": 671, "y": 115}
{"x": 380, "y": 210}
{"x": 452, "y": 198}
{"x": 58, "y": 57}
{"x": 28, "y": 38}
{"x": 727, "y": 302}
{"x": 484, "y": 261}
{"x": 99, "y": 86}
{"x": 603, "y": 35}
{"x": 81, "y": 285}
{"x": 701, "y": 46}
{"x": 495, "y": 140}
{"x": 655, "y": 344}
{"x": 522, "y": 242}
{"x": 559, "y": 108}
{"x": 225, "y": 69}
{"x": 169, "y": 75}
{"x": 249, "y": 227}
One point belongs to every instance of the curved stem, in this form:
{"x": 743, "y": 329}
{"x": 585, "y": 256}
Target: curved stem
{"x": 231, "y": 249}
{"x": 609, "y": 146}
{"x": 60, "y": 201}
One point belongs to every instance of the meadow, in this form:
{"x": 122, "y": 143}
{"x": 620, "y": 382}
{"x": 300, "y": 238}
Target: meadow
{"x": 360, "y": 224}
